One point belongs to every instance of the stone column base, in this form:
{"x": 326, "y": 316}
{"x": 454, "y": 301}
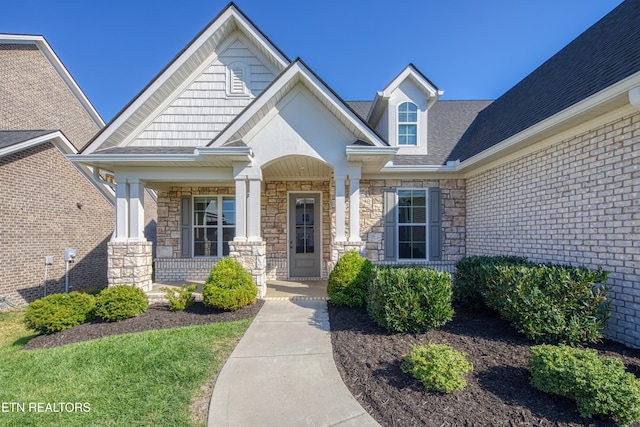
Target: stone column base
{"x": 130, "y": 263}
{"x": 252, "y": 256}
{"x": 339, "y": 248}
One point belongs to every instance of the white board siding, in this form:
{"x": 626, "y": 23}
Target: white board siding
{"x": 203, "y": 109}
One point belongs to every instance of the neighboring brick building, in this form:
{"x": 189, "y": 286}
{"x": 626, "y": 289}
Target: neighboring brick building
{"x": 48, "y": 204}
{"x": 254, "y": 156}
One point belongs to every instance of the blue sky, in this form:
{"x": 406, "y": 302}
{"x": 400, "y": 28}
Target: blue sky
{"x": 470, "y": 49}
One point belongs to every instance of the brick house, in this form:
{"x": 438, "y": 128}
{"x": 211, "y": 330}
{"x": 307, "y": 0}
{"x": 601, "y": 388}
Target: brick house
{"x": 254, "y": 156}
{"x": 48, "y": 203}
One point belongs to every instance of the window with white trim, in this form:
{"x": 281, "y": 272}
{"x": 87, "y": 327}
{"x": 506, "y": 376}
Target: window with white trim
{"x": 412, "y": 224}
{"x": 238, "y": 79}
{"x": 408, "y": 124}
{"x": 214, "y": 225}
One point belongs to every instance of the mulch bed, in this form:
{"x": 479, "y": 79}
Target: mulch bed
{"x": 497, "y": 393}
{"x": 158, "y": 316}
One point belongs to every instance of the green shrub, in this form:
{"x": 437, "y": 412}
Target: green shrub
{"x": 229, "y": 286}
{"x": 180, "y": 299}
{"x": 57, "y": 312}
{"x": 438, "y": 366}
{"x": 121, "y": 302}
{"x": 409, "y": 299}
{"x": 551, "y": 303}
{"x": 349, "y": 280}
{"x": 598, "y": 384}
{"x": 474, "y": 274}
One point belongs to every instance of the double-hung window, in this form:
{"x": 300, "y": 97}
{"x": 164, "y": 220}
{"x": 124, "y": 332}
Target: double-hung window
{"x": 407, "y": 124}
{"x": 213, "y": 225}
{"x": 412, "y": 224}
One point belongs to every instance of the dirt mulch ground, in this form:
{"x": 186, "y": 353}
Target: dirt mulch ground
{"x": 497, "y": 393}
{"x": 158, "y": 316}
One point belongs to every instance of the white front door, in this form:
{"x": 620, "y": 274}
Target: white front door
{"x": 304, "y": 235}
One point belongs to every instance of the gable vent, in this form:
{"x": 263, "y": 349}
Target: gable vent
{"x": 237, "y": 79}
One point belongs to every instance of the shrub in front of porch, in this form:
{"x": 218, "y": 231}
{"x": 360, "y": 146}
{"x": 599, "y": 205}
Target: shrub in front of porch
{"x": 410, "y": 299}
{"x": 121, "y": 302}
{"x": 229, "y": 286}
{"x": 57, "y": 312}
{"x": 349, "y": 280}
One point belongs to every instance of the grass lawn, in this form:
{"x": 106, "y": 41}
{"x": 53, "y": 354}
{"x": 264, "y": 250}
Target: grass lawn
{"x": 142, "y": 379}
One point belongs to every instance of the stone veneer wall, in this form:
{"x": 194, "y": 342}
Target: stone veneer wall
{"x": 274, "y": 222}
{"x": 169, "y": 266}
{"x": 575, "y": 202}
{"x": 130, "y": 263}
{"x": 453, "y": 214}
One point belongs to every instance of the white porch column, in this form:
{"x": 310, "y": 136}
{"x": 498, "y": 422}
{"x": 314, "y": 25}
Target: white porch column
{"x": 241, "y": 209}
{"x": 136, "y": 210}
{"x": 354, "y": 210}
{"x": 340, "y": 210}
{"x": 254, "y": 211}
{"x": 122, "y": 211}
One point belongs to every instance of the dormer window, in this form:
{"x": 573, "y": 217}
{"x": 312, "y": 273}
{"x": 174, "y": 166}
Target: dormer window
{"x": 238, "y": 79}
{"x": 408, "y": 124}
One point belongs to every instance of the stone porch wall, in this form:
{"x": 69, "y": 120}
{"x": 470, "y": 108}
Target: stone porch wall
{"x": 274, "y": 222}
{"x": 576, "y": 203}
{"x": 130, "y": 263}
{"x": 453, "y": 214}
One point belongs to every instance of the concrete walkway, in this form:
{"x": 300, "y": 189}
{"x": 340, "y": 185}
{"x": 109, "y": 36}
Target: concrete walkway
{"x": 282, "y": 372}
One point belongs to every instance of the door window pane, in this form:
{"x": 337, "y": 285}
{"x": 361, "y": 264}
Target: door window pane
{"x": 305, "y": 225}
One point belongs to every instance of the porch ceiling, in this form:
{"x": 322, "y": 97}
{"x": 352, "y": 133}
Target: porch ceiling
{"x": 297, "y": 168}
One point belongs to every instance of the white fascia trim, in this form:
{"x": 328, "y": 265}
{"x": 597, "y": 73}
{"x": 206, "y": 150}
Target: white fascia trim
{"x": 224, "y": 151}
{"x": 409, "y": 71}
{"x": 418, "y": 168}
{"x": 356, "y": 150}
{"x": 131, "y": 158}
{"x": 608, "y": 94}
{"x": 57, "y": 64}
{"x": 260, "y": 38}
{"x": 57, "y": 138}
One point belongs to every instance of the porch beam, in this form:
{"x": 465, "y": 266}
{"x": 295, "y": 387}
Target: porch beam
{"x": 122, "y": 211}
{"x": 254, "y": 211}
{"x": 136, "y": 210}
{"x": 354, "y": 210}
{"x": 340, "y": 210}
{"x": 241, "y": 209}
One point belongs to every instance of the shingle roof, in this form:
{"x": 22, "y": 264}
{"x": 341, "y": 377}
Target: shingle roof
{"x": 361, "y": 108}
{"x": 9, "y": 138}
{"x": 605, "y": 54}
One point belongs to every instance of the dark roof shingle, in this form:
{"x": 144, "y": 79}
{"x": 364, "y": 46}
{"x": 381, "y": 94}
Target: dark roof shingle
{"x": 9, "y": 138}
{"x": 604, "y": 54}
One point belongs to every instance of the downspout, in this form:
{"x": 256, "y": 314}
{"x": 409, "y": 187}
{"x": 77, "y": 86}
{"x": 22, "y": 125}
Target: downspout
{"x": 634, "y": 97}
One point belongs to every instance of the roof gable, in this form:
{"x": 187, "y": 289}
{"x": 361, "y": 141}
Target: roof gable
{"x": 297, "y": 74}
{"x": 411, "y": 78}
{"x": 184, "y": 69}
{"x": 602, "y": 56}
{"x": 39, "y": 93}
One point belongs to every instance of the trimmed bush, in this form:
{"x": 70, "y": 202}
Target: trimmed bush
{"x": 229, "y": 286}
{"x": 180, "y": 299}
{"x": 349, "y": 280}
{"x": 551, "y": 303}
{"x": 410, "y": 299}
{"x": 474, "y": 274}
{"x": 57, "y": 312}
{"x": 121, "y": 302}
{"x": 598, "y": 384}
{"x": 439, "y": 367}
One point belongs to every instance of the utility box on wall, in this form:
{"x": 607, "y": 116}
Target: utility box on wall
{"x": 70, "y": 255}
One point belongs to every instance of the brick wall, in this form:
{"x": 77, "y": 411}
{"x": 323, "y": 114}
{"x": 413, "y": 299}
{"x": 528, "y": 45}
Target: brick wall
{"x": 576, "y": 202}
{"x": 453, "y": 214}
{"x": 47, "y": 206}
{"x": 35, "y": 97}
